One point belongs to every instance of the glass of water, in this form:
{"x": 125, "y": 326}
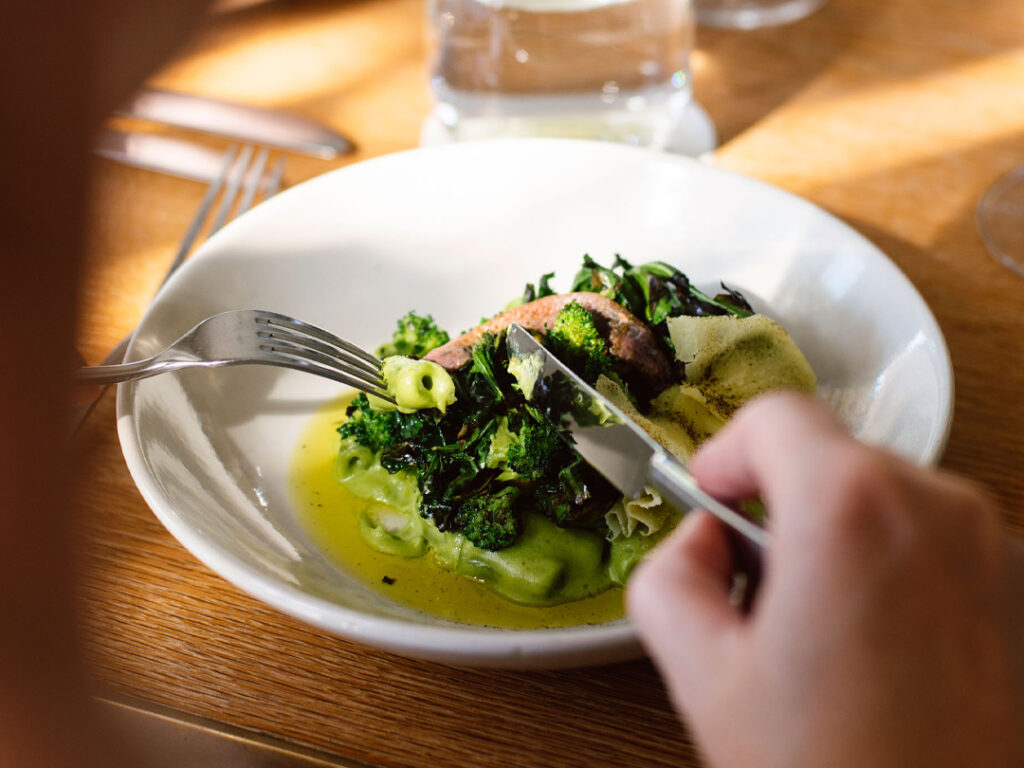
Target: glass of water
{"x": 750, "y": 14}
{"x": 615, "y": 70}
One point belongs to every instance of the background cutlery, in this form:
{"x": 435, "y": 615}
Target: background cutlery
{"x": 256, "y": 125}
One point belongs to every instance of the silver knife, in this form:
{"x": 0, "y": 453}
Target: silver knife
{"x": 619, "y": 449}
{"x": 266, "y": 127}
{"x": 162, "y": 154}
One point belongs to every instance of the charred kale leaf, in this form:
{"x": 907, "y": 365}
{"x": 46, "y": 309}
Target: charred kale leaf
{"x": 656, "y": 291}
{"x": 530, "y": 293}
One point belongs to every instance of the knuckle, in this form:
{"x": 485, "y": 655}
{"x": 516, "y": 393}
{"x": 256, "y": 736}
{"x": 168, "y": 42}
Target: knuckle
{"x": 865, "y": 478}
{"x": 972, "y": 511}
{"x": 869, "y": 502}
{"x": 883, "y": 498}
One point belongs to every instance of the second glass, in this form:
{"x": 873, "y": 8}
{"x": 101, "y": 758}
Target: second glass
{"x": 615, "y": 71}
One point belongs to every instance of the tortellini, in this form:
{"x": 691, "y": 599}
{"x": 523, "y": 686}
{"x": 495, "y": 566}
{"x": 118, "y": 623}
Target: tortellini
{"x": 676, "y": 437}
{"x": 734, "y": 359}
{"x": 728, "y": 361}
{"x": 415, "y": 385}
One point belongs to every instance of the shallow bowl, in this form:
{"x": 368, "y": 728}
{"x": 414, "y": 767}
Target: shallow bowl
{"x": 457, "y": 231}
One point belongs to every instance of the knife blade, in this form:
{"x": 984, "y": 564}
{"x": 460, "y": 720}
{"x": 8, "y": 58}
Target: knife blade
{"x": 258, "y": 125}
{"x": 162, "y": 154}
{"x": 618, "y": 448}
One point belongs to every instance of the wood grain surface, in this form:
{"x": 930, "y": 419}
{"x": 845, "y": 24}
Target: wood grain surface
{"x": 893, "y": 114}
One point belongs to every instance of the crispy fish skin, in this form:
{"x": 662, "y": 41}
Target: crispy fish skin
{"x": 628, "y": 338}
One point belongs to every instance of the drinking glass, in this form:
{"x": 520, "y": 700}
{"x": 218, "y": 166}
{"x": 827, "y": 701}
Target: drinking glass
{"x": 750, "y": 14}
{"x": 615, "y": 70}
{"x": 1001, "y": 219}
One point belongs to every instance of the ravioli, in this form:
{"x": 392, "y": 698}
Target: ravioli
{"x": 728, "y": 362}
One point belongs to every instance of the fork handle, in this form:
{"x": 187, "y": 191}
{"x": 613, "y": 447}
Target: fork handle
{"x": 114, "y": 374}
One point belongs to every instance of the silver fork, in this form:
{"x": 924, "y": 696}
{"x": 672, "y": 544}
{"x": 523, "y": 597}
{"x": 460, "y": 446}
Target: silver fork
{"x": 251, "y": 336}
{"x": 240, "y": 172}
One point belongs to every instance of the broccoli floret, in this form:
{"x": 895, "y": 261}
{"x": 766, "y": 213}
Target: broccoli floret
{"x": 574, "y": 339}
{"x": 575, "y": 327}
{"x": 415, "y": 336}
{"x": 490, "y": 521}
{"x": 384, "y": 432}
{"x": 376, "y": 430}
{"x": 535, "y": 449}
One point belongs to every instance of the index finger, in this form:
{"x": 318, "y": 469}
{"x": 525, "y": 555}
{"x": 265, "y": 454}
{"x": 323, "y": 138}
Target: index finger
{"x": 780, "y": 448}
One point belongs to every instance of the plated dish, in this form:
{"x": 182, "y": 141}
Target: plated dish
{"x": 446, "y": 231}
{"x": 469, "y": 464}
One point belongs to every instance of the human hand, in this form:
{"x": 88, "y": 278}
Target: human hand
{"x": 881, "y": 632}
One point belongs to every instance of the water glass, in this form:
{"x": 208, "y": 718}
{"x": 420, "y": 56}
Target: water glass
{"x": 750, "y": 14}
{"x": 615, "y": 70}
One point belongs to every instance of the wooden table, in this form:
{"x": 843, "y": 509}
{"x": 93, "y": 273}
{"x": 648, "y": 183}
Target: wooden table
{"x": 893, "y": 114}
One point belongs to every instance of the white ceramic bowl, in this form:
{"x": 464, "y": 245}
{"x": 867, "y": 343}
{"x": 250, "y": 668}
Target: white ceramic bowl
{"x": 456, "y": 231}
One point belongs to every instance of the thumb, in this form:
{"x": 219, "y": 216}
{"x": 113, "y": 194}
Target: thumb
{"x": 678, "y": 599}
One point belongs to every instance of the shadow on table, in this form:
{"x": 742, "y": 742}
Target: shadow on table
{"x": 978, "y": 309}
{"x": 743, "y": 76}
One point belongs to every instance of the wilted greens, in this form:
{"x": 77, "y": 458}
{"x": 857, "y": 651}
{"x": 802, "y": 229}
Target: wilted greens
{"x": 494, "y": 456}
{"x": 489, "y": 460}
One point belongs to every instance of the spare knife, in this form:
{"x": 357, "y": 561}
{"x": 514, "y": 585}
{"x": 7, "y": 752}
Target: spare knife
{"x": 624, "y": 453}
{"x": 266, "y": 127}
{"x": 162, "y": 154}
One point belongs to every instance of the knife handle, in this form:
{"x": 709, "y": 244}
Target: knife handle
{"x": 749, "y": 560}
{"x": 747, "y": 540}
{"x": 676, "y": 484}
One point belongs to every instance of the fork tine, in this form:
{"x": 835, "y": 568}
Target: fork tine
{"x": 193, "y": 228}
{"x": 294, "y": 350}
{"x": 335, "y": 348}
{"x": 330, "y": 372}
{"x": 328, "y": 355}
{"x": 231, "y": 192}
{"x": 252, "y": 181}
{"x": 275, "y": 179}
{"x": 290, "y": 323}
{"x": 290, "y": 337}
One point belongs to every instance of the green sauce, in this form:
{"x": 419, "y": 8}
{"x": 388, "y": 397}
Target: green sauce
{"x": 541, "y": 581}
